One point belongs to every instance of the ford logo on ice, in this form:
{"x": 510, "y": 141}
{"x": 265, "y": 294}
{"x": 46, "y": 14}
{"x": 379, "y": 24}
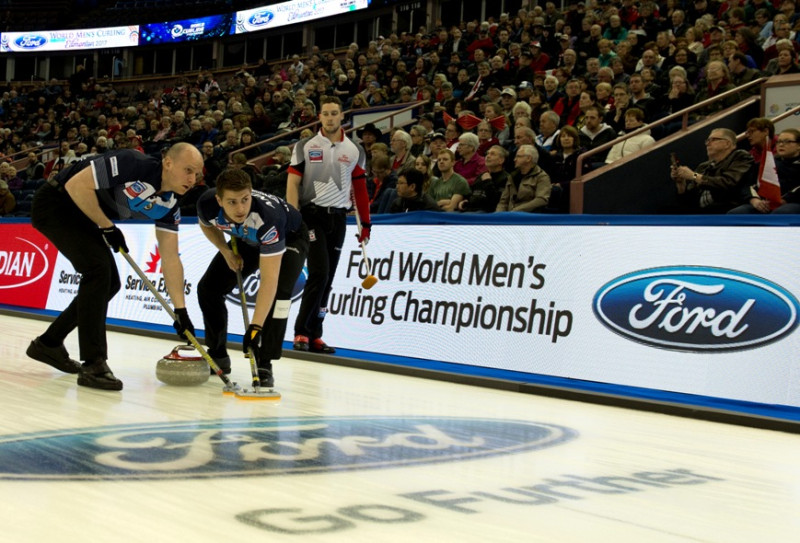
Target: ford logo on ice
{"x": 265, "y": 446}
{"x": 700, "y": 309}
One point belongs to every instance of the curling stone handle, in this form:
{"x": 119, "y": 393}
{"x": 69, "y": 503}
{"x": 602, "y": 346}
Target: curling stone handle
{"x": 183, "y": 347}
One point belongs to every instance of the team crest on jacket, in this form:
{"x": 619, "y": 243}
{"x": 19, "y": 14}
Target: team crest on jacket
{"x": 315, "y": 155}
{"x": 270, "y": 237}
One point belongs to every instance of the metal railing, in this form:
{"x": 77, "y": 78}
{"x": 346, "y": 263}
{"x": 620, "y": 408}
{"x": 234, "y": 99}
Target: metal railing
{"x": 683, "y": 115}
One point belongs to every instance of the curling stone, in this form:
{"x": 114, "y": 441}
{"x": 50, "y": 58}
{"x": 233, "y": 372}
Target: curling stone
{"x": 182, "y": 367}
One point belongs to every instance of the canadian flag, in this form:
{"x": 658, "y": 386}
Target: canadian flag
{"x": 769, "y": 187}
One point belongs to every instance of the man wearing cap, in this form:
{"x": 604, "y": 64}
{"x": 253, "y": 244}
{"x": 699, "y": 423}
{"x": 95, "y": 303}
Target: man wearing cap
{"x": 438, "y": 142}
{"x": 524, "y": 91}
{"x": 368, "y": 135}
{"x": 484, "y": 43}
{"x": 508, "y": 99}
{"x": 525, "y": 72}
{"x": 540, "y": 61}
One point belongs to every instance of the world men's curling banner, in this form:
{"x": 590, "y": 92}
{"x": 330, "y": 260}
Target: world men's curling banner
{"x": 679, "y": 308}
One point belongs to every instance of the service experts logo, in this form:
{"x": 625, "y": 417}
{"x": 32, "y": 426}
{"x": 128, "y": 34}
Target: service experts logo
{"x": 696, "y": 308}
{"x": 266, "y": 446}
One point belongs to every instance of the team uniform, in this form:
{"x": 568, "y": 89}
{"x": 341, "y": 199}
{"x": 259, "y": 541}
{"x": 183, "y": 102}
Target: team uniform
{"x": 127, "y": 183}
{"x": 272, "y": 227}
{"x": 330, "y": 171}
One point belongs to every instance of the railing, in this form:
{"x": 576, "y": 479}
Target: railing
{"x": 683, "y": 115}
{"x": 576, "y": 185}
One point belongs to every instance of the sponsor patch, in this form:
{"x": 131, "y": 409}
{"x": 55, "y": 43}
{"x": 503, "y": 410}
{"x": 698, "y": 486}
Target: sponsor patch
{"x": 312, "y": 235}
{"x": 114, "y": 166}
{"x": 134, "y": 189}
{"x": 315, "y": 155}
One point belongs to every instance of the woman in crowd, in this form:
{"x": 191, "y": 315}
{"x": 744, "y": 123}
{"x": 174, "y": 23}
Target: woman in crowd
{"x": 564, "y": 163}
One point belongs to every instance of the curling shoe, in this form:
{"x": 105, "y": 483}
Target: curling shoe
{"x": 224, "y": 364}
{"x": 319, "y": 346}
{"x": 300, "y": 343}
{"x": 58, "y": 357}
{"x": 97, "y": 374}
{"x": 265, "y": 377}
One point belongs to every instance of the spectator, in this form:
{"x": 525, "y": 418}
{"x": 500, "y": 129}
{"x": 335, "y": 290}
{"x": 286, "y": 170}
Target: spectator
{"x": 760, "y": 134}
{"x": 634, "y": 119}
{"x": 490, "y": 184}
{"x": 564, "y": 167}
{"x": 469, "y": 163}
{"x": 717, "y": 185}
{"x": 410, "y": 194}
{"x": 401, "y": 147}
{"x": 450, "y": 188}
{"x": 7, "y": 201}
{"x": 383, "y": 178}
{"x": 423, "y": 164}
{"x": 596, "y": 133}
{"x": 787, "y": 166}
{"x": 548, "y": 130}
{"x": 717, "y": 82}
{"x": 486, "y": 138}
{"x": 212, "y": 165}
{"x": 568, "y": 108}
{"x": 528, "y": 186}
{"x": 35, "y": 167}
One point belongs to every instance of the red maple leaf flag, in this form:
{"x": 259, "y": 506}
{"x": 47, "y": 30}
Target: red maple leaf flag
{"x": 769, "y": 187}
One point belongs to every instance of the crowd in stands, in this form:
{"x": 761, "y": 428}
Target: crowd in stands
{"x": 508, "y": 104}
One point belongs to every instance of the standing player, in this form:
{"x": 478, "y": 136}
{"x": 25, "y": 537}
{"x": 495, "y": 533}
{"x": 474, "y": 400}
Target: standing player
{"x": 73, "y": 211}
{"x": 273, "y": 241}
{"x": 324, "y": 170}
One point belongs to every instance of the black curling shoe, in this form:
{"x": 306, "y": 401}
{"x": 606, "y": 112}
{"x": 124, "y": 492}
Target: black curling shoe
{"x": 57, "y": 357}
{"x": 97, "y": 374}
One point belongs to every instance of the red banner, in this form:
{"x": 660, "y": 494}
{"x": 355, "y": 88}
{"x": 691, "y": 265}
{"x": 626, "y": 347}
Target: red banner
{"x": 27, "y": 260}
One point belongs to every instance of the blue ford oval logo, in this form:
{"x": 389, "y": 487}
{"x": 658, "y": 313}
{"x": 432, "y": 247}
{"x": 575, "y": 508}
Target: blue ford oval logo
{"x": 691, "y": 308}
{"x": 252, "y": 282}
{"x": 30, "y": 41}
{"x": 266, "y": 446}
{"x": 260, "y": 18}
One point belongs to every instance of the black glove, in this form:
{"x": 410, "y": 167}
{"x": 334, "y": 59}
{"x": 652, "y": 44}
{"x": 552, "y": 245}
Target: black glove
{"x": 252, "y": 338}
{"x": 114, "y": 238}
{"x": 183, "y": 323}
{"x": 364, "y": 236}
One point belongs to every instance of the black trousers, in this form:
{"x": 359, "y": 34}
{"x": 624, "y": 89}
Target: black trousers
{"x": 326, "y": 229}
{"x": 56, "y": 216}
{"x": 219, "y": 281}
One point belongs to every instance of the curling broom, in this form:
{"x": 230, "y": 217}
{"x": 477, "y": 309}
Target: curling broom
{"x": 370, "y": 280}
{"x": 256, "y": 393}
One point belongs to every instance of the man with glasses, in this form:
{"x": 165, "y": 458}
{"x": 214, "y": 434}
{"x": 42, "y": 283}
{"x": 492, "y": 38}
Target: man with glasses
{"x": 787, "y": 166}
{"x": 718, "y": 184}
{"x": 528, "y": 187}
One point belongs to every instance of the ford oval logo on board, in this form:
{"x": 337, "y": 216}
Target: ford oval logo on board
{"x": 265, "y": 446}
{"x": 260, "y": 18}
{"x": 30, "y": 41}
{"x": 700, "y": 309}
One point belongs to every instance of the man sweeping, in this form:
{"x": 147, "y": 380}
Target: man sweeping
{"x": 74, "y": 210}
{"x": 272, "y": 239}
